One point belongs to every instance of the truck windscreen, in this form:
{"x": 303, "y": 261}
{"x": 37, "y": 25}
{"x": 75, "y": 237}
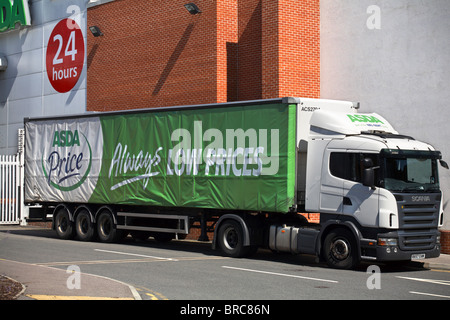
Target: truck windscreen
{"x": 410, "y": 171}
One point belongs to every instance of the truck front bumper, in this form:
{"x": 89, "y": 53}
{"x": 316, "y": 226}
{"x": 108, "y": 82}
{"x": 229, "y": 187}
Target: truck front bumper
{"x": 393, "y": 253}
{"x": 400, "y": 245}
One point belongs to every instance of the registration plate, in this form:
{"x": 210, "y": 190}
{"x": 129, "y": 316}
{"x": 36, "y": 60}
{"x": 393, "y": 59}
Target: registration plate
{"x": 418, "y": 256}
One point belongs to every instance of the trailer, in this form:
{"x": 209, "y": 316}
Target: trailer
{"x": 244, "y": 170}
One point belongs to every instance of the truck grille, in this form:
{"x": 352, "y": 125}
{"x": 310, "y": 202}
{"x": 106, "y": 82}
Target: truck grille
{"x": 418, "y": 220}
{"x": 420, "y": 216}
{"x": 417, "y": 240}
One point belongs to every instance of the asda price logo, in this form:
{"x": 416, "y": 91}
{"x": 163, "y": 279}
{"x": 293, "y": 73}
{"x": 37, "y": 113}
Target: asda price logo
{"x": 68, "y": 160}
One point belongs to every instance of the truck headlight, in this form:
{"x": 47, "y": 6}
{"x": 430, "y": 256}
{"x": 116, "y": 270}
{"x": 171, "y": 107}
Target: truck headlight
{"x": 387, "y": 241}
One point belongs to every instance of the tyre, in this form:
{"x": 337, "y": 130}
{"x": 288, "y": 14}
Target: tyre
{"x": 340, "y": 249}
{"x": 84, "y": 226}
{"x": 63, "y": 225}
{"x": 231, "y": 240}
{"x": 106, "y": 228}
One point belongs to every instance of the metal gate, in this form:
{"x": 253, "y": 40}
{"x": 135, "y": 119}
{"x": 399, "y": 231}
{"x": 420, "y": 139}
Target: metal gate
{"x": 11, "y": 186}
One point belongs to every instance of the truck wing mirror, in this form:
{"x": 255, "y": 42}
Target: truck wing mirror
{"x": 368, "y": 173}
{"x": 369, "y": 177}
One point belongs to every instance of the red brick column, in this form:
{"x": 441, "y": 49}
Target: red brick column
{"x": 445, "y": 241}
{"x": 291, "y": 48}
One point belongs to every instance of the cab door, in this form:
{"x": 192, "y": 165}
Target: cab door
{"x": 342, "y": 191}
{"x": 359, "y": 201}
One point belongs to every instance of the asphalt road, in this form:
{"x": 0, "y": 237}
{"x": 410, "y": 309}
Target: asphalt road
{"x": 184, "y": 270}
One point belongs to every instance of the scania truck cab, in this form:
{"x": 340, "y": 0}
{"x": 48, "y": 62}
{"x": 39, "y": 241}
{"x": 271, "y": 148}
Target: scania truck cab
{"x": 377, "y": 191}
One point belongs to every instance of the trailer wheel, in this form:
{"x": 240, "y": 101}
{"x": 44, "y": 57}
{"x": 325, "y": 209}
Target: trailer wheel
{"x": 231, "y": 240}
{"x": 106, "y": 228}
{"x": 340, "y": 249}
{"x": 63, "y": 225}
{"x": 84, "y": 227}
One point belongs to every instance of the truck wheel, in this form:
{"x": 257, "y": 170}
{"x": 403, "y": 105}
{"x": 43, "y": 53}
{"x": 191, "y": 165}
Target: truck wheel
{"x": 340, "y": 249}
{"x": 231, "y": 240}
{"x": 63, "y": 225}
{"x": 106, "y": 229}
{"x": 84, "y": 227}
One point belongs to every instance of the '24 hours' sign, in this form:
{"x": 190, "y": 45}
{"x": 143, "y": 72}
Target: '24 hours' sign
{"x": 65, "y": 55}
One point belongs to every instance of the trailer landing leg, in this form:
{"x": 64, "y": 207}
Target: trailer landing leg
{"x": 203, "y": 227}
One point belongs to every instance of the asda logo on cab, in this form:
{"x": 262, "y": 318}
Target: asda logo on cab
{"x": 364, "y": 118}
{"x": 369, "y": 122}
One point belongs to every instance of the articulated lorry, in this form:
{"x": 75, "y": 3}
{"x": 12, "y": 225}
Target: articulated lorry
{"x": 243, "y": 170}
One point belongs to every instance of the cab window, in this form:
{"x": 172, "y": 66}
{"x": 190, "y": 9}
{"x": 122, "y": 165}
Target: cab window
{"x": 348, "y": 165}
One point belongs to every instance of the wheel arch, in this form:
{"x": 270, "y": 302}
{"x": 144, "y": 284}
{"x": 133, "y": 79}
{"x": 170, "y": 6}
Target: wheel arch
{"x": 84, "y": 207}
{"x": 66, "y": 207}
{"x": 337, "y": 224}
{"x": 107, "y": 209}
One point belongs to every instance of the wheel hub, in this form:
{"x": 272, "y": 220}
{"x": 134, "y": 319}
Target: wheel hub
{"x": 340, "y": 249}
{"x": 230, "y": 238}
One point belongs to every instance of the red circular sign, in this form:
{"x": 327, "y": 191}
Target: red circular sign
{"x": 65, "y": 55}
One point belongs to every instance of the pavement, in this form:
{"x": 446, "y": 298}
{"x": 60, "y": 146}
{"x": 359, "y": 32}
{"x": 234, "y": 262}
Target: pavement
{"x": 47, "y": 283}
{"x": 441, "y": 263}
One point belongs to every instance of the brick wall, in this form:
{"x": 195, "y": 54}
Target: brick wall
{"x": 291, "y": 48}
{"x": 227, "y": 38}
{"x": 278, "y": 49}
{"x": 160, "y": 55}
{"x": 194, "y": 233}
{"x": 151, "y": 55}
{"x": 299, "y": 48}
{"x": 249, "y": 46}
{"x": 270, "y": 46}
